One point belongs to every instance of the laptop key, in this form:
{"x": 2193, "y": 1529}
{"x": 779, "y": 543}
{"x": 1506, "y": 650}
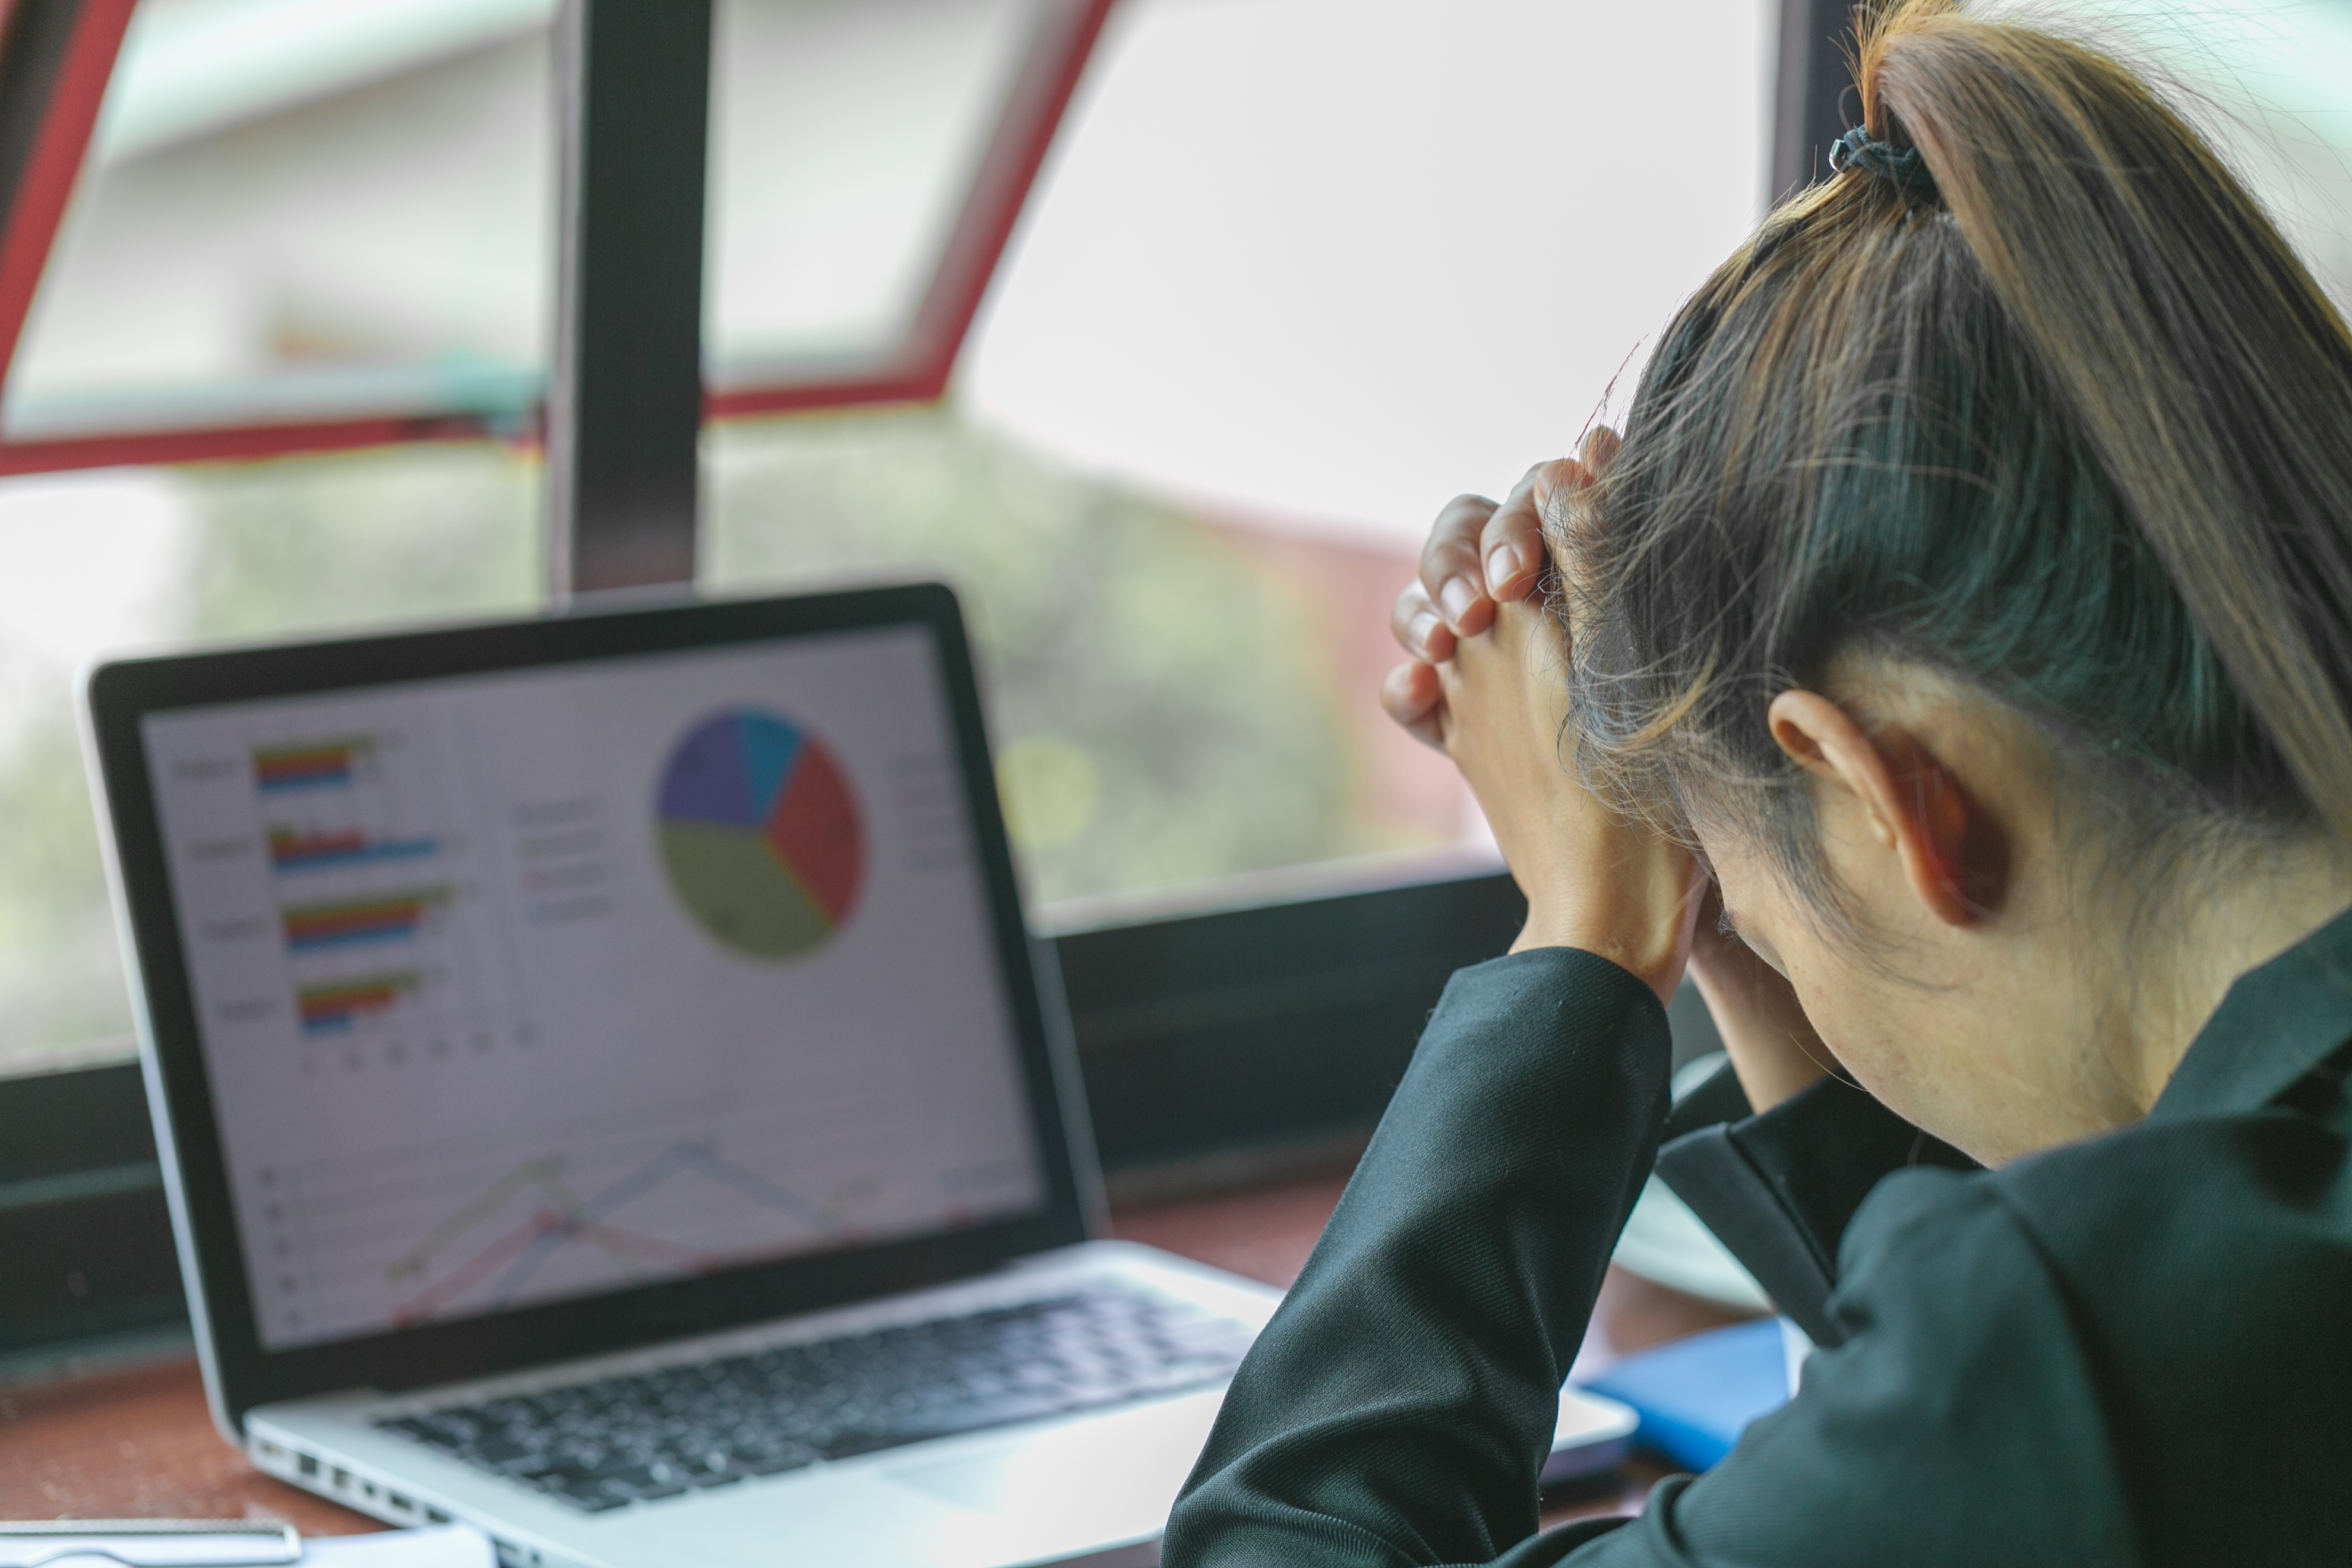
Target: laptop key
{"x": 499, "y": 1453}
{"x": 643, "y": 1480}
{"x": 850, "y": 1445}
{"x": 588, "y": 1497}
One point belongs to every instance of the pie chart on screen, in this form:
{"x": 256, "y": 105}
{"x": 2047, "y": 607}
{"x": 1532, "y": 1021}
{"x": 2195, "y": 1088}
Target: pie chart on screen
{"x": 759, "y": 832}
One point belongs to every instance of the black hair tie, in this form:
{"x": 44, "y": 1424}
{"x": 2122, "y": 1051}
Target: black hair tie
{"x": 1903, "y": 165}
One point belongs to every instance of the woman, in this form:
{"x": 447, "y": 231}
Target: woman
{"x": 1969, "y": 607}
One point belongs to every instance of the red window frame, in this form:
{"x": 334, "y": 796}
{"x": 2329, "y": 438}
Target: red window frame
{"x": 56, "y": 56}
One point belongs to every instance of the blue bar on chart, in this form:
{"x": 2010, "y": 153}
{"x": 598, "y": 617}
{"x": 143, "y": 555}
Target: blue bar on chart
{"x": 305, "y": 849}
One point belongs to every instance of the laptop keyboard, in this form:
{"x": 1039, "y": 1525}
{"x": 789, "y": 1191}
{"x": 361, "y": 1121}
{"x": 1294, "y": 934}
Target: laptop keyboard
{"x": 621, "y": 1440}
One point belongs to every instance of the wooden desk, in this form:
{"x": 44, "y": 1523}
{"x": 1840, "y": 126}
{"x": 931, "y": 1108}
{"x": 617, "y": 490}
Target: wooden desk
{"x": 140, "y": 1443}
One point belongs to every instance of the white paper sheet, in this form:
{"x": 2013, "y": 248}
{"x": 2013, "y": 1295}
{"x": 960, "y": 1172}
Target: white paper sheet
{"x": 442, "y": 1546}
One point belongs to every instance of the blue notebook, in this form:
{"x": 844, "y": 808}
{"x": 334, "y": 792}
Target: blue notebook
{"x": 1696, "y": 1397}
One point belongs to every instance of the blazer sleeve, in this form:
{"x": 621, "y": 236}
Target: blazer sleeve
{"x": 1398, "y": 1406}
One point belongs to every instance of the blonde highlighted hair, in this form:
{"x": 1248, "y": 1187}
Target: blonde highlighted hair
{"x": 2066, "y": 419}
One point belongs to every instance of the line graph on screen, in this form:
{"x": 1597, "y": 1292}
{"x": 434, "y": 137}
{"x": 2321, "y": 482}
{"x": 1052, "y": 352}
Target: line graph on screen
{"x": 510, "y": 1216}
{"x": 452, "y": 1260}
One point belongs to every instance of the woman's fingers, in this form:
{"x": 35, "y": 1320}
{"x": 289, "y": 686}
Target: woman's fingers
{"x": 1414, "y": 697}
{"x": 1480, "y": 554}
{"x": 1593, "y": 879}
{"x": 1419, "y": 629}
{"x": 1511, "y": 546}
{"x": 1451, "y": 574}
{"x": 1599, "y": 449}
{"x": 1483, "y": 683}
{"x": 1567, "y": 518}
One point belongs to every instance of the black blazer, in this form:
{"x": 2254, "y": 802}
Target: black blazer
{"x": 2132, "y": 1350}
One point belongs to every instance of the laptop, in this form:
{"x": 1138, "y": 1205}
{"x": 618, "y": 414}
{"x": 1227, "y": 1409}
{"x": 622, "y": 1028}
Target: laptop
{"x": 609, "y": 1096}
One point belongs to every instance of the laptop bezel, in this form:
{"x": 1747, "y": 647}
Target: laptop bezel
{"x": 242, "y": 1373}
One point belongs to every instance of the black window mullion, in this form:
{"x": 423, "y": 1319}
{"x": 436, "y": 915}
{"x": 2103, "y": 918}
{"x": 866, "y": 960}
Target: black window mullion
{"x": 1811, "y": 101}
{"x": 624, "y": 397}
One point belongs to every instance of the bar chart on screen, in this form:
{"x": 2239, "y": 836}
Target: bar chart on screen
{"x": 362, "y": 926}
{"x": 361, "y": 858}
{"x": 343, "y": 802}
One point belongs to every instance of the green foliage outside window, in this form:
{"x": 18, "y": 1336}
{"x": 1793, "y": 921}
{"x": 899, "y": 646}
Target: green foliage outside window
{"x": 1162, "y": 710}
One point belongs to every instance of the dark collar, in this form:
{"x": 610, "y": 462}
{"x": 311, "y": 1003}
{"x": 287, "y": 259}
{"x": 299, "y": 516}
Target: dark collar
{"x": 2275, "y": 1024}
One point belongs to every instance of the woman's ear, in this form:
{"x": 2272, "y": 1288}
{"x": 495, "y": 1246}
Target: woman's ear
{"x": 1951, "y": 853}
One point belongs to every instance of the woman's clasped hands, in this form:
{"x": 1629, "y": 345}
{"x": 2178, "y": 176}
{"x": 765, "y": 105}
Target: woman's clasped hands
{"x": 1486, "y": 683}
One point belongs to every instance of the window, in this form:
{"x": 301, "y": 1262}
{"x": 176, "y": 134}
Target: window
{"x": 1184, "y": 468}
{"x": 1300, "y": 272}
{"x": 295, "y": 214}
{"x": 358, "y": 198}
{"x": 860, "y": 158}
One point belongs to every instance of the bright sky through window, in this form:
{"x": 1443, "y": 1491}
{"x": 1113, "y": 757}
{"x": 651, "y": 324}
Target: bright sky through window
{"x": 1342, "y": 260}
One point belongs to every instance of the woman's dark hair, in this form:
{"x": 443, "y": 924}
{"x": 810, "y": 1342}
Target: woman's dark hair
{"x": 2066, "y": 421}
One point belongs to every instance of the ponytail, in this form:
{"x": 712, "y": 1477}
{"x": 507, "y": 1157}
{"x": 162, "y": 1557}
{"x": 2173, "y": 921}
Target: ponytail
{"x": 2197, "y": 355}
{"x": 2056, "y": 413}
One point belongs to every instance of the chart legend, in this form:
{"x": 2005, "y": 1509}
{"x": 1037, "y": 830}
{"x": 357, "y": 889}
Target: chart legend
{"x": 760, "y": 835}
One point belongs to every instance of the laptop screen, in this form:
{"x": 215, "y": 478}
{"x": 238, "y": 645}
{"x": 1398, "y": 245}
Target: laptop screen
{"x": 526, "y": 986}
